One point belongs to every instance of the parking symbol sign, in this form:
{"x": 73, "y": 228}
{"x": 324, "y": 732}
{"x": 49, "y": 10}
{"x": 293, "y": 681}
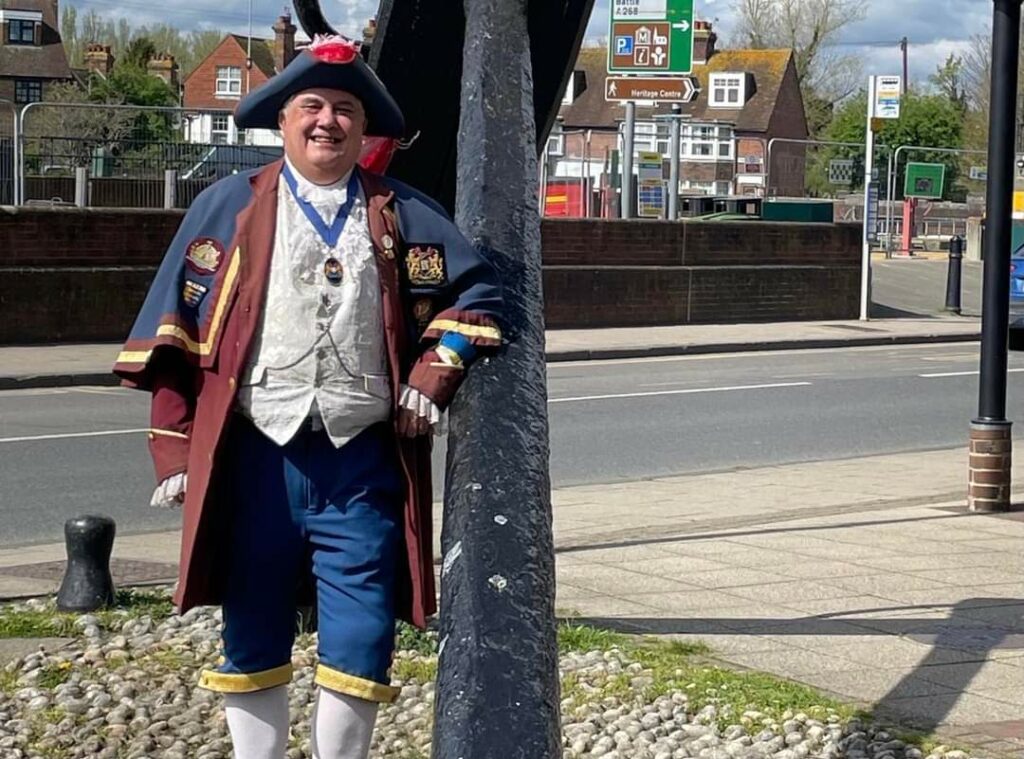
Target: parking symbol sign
{"x": 623, "y": 45}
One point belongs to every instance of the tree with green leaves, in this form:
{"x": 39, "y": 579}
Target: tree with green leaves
{"x": 925, "y": 120}
{"x": 807, "y": 27}
{"x": 188, "y": 48}
{"x": 948, "y": 79}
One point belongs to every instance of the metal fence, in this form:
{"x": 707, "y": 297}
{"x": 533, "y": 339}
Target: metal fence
{"x": 126, "y": 156}
{"x": 8, "y": 160}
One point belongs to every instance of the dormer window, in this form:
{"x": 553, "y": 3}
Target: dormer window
{"x": 21, "y": 32}
{"x": 728, "y": 90}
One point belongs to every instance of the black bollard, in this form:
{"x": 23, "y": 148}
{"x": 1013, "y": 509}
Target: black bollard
{"x": 954, "y": 274}
{"x": 87, "y": 584}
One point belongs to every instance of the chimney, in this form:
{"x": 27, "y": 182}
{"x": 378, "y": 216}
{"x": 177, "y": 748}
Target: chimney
{"x": 284, "y": 41}
{"x": 164, "y": 66}
{"x": 369, "y": 32}
{"x": 98, "y": 58}
{"x": 704, "y": 39}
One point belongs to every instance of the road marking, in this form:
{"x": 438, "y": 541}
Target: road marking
{"x": 964, "y": 374}
{"x": 900, "y": 351}
{"x": 66, "y": 435}
{"x": 688, "y": 391}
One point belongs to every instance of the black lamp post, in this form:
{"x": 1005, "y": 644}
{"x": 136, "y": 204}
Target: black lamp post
{"x": 990, "y": 441}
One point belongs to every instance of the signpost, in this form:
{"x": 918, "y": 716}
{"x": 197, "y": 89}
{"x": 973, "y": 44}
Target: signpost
{"x": 651, "y": 188}
{"x": 659, "y": 89}
{"x": 840, "y": 171}
{"x": 924, "y": 180}
{"x": 883, "y": 103}
{"x": 651, "y": 37}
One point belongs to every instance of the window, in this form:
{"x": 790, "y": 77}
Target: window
{"x": 727, "y": 90}
{"x": 556, "y": 141}
{"x": 219, "y": 128}
{"x": 20, "y": 32}
{"x": 705, "y": 142}
{"x": 28, "y": 90}
{"x": 229, "y": 81}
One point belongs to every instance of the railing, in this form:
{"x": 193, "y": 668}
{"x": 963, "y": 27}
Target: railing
{"x": 8, "y": 153}
{"x": 125, "y": 156}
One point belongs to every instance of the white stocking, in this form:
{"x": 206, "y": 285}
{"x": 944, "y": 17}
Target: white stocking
{"x": 258, "y": 722}
{"x": 342, "y": 725}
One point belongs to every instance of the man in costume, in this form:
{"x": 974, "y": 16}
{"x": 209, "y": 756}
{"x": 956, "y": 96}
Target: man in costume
{"x": 308, "y": 326}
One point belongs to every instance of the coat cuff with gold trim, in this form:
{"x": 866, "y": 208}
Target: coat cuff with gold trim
{"x": 351, "y": 685}
{"x": 480, "y": 329}
{"x": 238, "y": 682}
{"x": 435, "y": 379}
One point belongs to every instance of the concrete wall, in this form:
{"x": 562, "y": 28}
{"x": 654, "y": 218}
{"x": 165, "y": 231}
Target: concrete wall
{"x": 80, "y": 274}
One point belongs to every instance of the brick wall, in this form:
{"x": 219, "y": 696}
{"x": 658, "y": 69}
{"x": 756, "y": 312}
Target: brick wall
{"x": 632, "y": 242}
{"x": 80, "y": 274}
{"x": 202, "y": 83}
{"x": 84, "y": 236}
{"x": 630, "y": 272}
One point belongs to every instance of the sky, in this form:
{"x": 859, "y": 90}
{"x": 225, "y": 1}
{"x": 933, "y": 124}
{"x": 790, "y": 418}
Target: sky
{"x": 934, "y": 28}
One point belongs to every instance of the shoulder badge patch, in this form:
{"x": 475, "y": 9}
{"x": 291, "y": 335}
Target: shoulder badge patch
{"x": 193, "y": 293}
{"x": 425, "y": 266}
{"x": 204, "y": 255}
{"x": 422, "y": 310}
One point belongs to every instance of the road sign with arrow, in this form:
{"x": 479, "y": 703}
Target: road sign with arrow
{"x": 651, "y": 37}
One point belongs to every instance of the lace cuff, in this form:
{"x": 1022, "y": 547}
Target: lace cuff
{"x": 413, "y": 400}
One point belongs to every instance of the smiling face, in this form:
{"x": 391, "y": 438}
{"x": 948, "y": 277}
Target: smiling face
{"x": 323, "y": 133}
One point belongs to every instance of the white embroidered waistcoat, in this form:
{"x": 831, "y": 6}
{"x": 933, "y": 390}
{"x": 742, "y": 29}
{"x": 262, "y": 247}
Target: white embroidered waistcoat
{"x": 319, "y": 348}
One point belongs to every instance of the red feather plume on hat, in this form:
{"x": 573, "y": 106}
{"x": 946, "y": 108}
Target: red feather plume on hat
{"x": 376, "y": 152}
{"x": 333, "y": 48}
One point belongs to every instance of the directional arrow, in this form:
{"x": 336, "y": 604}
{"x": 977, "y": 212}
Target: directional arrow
{"x": 681, "y": 26}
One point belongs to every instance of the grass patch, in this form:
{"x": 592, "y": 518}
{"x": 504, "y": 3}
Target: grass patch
{"x": 50, "y": 623}
{"x": 8, "y": 682}
{"x": 420, "y": 671}
{"x": 409, "y": 638}
{"x": 683, "y": 666}
{"x": 53, "y": 675}
{"x": 583, "y": 638}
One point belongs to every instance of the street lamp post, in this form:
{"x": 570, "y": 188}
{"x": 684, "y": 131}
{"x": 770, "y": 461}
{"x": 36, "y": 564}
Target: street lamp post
{"x": 990, "y": 442}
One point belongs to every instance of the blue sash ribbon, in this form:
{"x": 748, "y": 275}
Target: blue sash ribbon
{"x": 328, "y": 233}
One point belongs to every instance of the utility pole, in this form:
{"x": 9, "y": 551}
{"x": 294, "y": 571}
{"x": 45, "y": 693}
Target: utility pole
{"x": 673, "y": 169}
{"x": 906, "y": 71}
{"x": 991, "y": 446}
{"x": 497, "y": 692}
{"x": 627, "y": 161}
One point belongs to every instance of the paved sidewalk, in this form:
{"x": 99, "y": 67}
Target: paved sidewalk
{"x": 863, "y": 577}
{"x": 89, "y": 364}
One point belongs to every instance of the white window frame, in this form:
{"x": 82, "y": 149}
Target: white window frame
{"x": 225, "y": 79}
{"x": 215, "y": 132}
{"x": 707, "y": 142}
{"x": 645, "y": 137}
{"x": 556, "y": 140}
{"x": 728, "y": 89}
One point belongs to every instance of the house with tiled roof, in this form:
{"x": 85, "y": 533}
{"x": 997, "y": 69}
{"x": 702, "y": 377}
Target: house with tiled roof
{"x": 744, "y": 99}
{"x": 32, "y": 56}
{"x": 236, "y": 66}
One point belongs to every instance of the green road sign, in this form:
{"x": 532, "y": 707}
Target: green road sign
{"x": 924, "y": 180}
{"x": 651, "y": 37}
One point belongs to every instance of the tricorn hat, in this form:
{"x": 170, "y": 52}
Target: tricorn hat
{"x": 332, "y": 62}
